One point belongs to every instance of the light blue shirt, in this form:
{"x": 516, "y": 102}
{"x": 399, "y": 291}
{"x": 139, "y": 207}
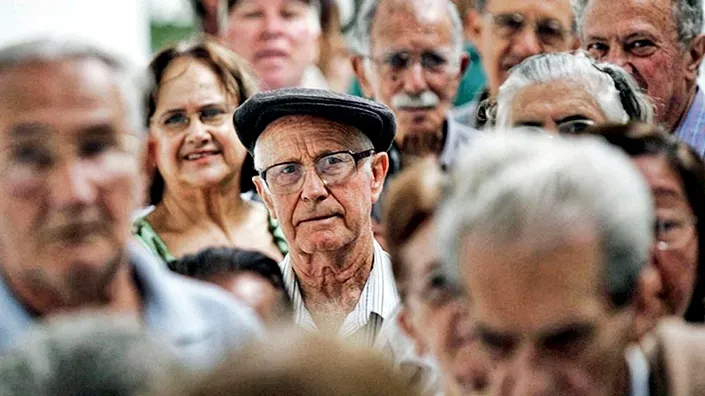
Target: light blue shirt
{"x": 201, "y": 322}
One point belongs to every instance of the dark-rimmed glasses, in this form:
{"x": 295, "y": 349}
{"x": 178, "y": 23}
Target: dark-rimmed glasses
{"x": 393, "y": 64}
{"x": 549, "y": 31}
{"x": 333, "y": 168}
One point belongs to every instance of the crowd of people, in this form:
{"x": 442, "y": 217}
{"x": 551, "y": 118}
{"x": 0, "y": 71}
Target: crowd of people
{"x": 234, "y": 220}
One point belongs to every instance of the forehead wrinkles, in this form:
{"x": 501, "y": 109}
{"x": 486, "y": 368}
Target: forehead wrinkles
{"x": 626, "y": 16}
{"x": 65, "y": 83}
{"x": 302, "y": 137}
{"x": 428, "y": 17}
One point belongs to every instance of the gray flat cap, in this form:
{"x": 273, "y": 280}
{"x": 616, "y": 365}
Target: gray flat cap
{"x": 373, "y": 119}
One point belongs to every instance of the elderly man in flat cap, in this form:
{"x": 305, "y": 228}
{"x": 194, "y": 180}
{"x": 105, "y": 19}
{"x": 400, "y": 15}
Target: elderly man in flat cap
{"x": 322, "y": 161}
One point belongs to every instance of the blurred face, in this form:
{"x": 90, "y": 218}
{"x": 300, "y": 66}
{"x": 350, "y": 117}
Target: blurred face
{"x": 548, "y": 328}
{"x": 641, "y": 37}
{"x": 509, "y": 31}
{"x": 318, "y": 216}
{"x": 279, "y": 39}
{"x": 414, "y": 69}
{"x": 254, "y": 291}
{"x": 192, "y": 138}
{"x": 437, "y": 316}
{"x": 558, "y": 107}
{"x": 676, "y": 246}
{"x": 68, "y": 177}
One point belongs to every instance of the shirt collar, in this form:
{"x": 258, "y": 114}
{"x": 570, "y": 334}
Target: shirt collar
{"x": 166, "y": 309}
{"x": 638, "y": 371}
{"x": 379, "y": 295}
{"x": 690, "y": 129}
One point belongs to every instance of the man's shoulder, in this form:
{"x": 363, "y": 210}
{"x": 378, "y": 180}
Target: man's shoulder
{"x": 676, "y": 354}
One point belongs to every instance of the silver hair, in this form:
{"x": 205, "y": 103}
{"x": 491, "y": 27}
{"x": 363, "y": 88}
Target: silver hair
{"x": 133, "y": 85}
{"x": 687, "y": 16}
{"x": 88, "y": 355}
{"x": 365, "y": 20}
{"x": 616, "y": 92}
{"x": 529, "y": 188}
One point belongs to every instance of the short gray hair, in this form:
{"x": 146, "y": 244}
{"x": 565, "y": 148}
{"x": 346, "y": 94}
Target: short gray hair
{"x": 88, "y": 354}
{"x": 616, "y": 92}
{"x": 366, "y": 17}
{"x": 519, "y": 187}
{"x": 687, "y": 16}
{"x": 133, "y": 85}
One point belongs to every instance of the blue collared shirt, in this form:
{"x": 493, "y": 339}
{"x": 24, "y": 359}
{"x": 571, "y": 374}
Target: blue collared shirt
{"x": 201, "y": 322}
{"x": 692, "y": 128}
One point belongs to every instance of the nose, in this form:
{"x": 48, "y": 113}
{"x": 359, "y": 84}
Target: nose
{"x": 616, "y": 56}
{"x": 314, "y": 189}
{"x": 530, "y": 376}
{"x": 72, "y": 184}
{"x": 198, "y": 134}
{"x": 527, "y": 44}
{"x": 415, "y": 79}
{"x": 272, "y": 26}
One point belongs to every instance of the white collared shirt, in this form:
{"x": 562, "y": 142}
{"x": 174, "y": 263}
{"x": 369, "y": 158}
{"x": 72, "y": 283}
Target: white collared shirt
{"x": 377, "y": 301}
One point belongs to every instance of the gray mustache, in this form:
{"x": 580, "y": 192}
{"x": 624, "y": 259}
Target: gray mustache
{"x": 423, "y": 100}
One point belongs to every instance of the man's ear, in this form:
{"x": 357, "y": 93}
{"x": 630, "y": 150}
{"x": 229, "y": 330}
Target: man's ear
{"x": 694, "y": 57}
{"x": 649, "y": 306}
{"x": 474, "y": 29}
{"x": 380, "y": 167}
{"x": 358, "y": 64}
{"x": 407, "y": 326}
{"x": 263, "y": 192}
{"x": 464, "y": 64}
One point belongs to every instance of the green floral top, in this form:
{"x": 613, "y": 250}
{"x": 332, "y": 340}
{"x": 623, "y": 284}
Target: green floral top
{"x": 149, "y": 237}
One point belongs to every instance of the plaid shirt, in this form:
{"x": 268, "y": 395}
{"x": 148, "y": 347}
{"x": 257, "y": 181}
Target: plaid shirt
{"x": 692, "y": 128}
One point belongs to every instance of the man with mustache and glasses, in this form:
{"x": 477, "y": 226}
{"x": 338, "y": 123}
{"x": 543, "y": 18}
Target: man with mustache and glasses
{"x": 71, "y": 140}
{"x": 505, "y": 32}
{"x": 411, "y": 59}
{"x": 322, "y": 161}
{"x": 660, "y": 43}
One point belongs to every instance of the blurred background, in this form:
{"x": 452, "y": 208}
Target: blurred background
{"x": 134, "y": 28}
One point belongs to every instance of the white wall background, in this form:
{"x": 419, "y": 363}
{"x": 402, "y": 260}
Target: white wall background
{"x": 119, "y": 25}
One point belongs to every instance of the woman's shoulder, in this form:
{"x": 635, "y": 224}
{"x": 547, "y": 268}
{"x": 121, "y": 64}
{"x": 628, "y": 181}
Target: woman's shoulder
{"x": 143, "y": 230}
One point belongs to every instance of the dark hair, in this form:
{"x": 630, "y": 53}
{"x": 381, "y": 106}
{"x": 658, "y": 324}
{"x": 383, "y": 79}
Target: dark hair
{"x": 224, "y": 260}
{"x": 233, "y": 74}
{"x": 642, "y": 139}
{"x": 412, "y": 200}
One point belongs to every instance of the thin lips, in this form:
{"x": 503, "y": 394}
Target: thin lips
{"x": 270, "y": 53}
{"x": 322, "y": 217}
{"x": 201, "y": 152}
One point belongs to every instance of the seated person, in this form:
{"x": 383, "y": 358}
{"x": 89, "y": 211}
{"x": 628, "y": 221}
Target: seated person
{"x": 250, "y": 277}
{"x": 566, "y": 93}
{"x": 201, "y": 166}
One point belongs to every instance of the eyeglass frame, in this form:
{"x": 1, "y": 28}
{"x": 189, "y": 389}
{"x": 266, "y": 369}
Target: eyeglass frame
{"x": 445, "y": 53}
{"x": 357, "y": 157}
{"x": 565, "y": 33}
{"x": 229, "y": 109}
{"x": 664, "y": 245}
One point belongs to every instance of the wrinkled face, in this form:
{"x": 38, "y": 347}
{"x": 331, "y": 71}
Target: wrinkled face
{"x": 641, "y": 37}
{"x": 678, "y": 260}
{"x": 319, "y": 217}
{"x": 414, "y": 69}
{"x": 438, "y": 315}
{"x": 254, "y": 291}
{"x": 278, "y": 38}
{"x": 510, "y": 31}
{"x": 192, "y": 137}
{"x": 548, "y": 328}
{"x": 558, "y": 107}
{"x": 68, "y": 176}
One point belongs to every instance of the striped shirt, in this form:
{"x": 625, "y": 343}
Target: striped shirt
{"x": 377, "y": 301}
{"x": 692, "y": 128}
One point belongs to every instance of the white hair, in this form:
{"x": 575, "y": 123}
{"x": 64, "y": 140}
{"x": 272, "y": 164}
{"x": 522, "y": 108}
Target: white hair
{"x": 687, "y": 16}
{"x": 612, "y": 88}
{"x": 520, "y": 187}
{"x": 366, "y": 17}
{"x": 133, "y": 85}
